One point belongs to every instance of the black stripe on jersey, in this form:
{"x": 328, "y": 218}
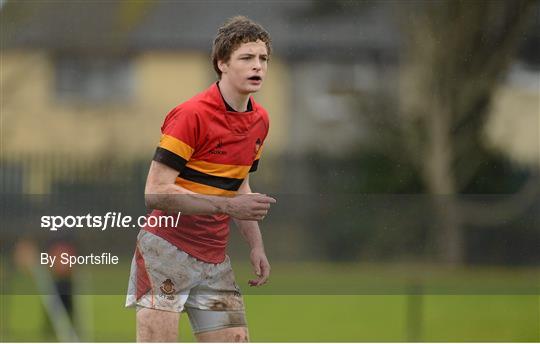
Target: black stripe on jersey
{"x": 254, "y": 166}
{"x": 225, "y": 183}
{"x": 170, "y": 159}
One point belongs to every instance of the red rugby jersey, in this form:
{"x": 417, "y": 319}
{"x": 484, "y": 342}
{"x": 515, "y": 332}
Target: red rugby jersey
{"x": 213, "y": 150}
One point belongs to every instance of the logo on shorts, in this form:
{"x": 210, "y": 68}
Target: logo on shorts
{"x": 236, "y": 292}
{"x": 167, "y": 289}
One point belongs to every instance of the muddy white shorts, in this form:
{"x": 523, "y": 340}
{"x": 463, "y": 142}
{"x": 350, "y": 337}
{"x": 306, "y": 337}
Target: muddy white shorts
{"x": 167, "y": 278}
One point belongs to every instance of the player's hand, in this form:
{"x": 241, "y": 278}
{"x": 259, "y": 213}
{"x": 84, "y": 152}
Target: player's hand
{"x": 252, "y": 207}
{"x": 261, "y": 267}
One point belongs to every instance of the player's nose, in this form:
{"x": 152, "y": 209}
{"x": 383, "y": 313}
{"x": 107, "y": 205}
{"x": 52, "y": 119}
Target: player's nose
{"x": 257, "y": 65}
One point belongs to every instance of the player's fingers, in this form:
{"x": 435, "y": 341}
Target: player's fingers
{"x": 252, "y": 218}
{"x": 262, "y": 212}
{"x": 261, "y": 206}
{"x": 258, "y": 281}
{"x": 255, "y": 282}
{"x": 265, "y": 273}
{"x": 265, "y": 199}
{"x": 257, "y": 269}
{"x": 262, "y": 280}
{"x": 258, "y": 217}
{"x": 265, "y": 270}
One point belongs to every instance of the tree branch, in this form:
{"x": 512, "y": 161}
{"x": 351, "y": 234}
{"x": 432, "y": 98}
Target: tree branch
{"x": 494, "y": 214}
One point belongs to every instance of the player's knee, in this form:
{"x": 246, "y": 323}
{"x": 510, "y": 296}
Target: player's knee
{"x": 238, "y": 335}
{"x": 231, "y": 334}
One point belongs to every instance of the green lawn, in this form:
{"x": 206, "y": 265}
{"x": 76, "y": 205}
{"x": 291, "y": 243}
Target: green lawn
{"x": 281, "y": 317}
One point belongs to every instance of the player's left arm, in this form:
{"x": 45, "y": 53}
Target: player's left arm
{"x": 252, "y": 234}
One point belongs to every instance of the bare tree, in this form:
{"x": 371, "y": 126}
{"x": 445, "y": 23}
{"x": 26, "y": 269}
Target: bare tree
{"x": 456, "y": 55}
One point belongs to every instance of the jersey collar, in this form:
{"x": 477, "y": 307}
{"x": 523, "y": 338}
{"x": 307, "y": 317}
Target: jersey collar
{"x": 222, "y": 104}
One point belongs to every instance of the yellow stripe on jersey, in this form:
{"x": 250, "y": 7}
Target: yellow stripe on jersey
{"x": 203, "y": 189}
{"x": 219, "y": 170}
{"x": 259, "y": 152}
{"x": 176, "y": 146}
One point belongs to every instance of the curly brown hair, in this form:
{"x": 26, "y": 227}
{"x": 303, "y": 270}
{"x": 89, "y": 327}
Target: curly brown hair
{"x": 236, "y": 31}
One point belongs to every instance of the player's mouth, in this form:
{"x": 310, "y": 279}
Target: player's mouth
{"x": 255, "y": 79}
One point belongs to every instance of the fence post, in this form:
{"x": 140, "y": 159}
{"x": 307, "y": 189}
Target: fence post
{"x": 414, "y": 313}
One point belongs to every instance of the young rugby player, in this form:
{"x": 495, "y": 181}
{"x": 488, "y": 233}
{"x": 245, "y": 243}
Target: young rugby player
{"x": 201, "y": 168}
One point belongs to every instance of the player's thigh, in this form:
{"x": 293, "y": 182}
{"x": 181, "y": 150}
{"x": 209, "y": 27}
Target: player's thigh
{"x": 230, "y": 334}
{"x": 154, "y": 325}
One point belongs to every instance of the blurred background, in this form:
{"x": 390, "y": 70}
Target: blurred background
{"x": 404, "y": 152}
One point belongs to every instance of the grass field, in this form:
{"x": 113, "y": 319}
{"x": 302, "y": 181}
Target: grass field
{"x": 329, "y": 317}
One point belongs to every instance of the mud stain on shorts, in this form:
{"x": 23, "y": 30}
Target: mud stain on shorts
{"x": 229, "y": 302}
{"x": 218, "y": 306}
{"x": 236, "y": 318}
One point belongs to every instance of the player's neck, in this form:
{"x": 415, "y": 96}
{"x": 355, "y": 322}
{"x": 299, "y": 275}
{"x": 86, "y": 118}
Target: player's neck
{"x": 237, "y": 101}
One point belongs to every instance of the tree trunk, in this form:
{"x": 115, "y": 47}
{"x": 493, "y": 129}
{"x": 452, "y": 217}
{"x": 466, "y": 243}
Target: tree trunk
{"x": 442, "y": 187}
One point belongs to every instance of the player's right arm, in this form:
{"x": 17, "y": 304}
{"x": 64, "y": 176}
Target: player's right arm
{"x": 181, "y": 134}
{"x": 162, "y": 193}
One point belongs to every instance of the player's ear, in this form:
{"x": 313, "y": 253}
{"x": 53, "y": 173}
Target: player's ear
{"x": 223, "y": 66}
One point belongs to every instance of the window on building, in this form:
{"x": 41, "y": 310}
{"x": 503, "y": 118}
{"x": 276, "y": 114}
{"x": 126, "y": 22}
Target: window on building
{"x": 93, "y": 79}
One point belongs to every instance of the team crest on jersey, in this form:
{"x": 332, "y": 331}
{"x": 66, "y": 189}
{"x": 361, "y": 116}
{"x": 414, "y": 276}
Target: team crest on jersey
{"x": 257, "y": 146}
{"x": 167, "y": 289}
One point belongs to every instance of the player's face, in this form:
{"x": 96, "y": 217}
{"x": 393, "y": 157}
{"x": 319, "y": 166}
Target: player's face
{"x": 246, "y": 69}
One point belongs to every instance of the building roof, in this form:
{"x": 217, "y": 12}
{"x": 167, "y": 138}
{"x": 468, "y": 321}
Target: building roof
{"x": 298, "y": 28}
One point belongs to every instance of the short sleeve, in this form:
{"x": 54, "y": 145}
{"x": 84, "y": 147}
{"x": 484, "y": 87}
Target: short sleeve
{"x": 178, "y": 139}
{"x": 255, "y": 164}
{"x": 259, "y": 144}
